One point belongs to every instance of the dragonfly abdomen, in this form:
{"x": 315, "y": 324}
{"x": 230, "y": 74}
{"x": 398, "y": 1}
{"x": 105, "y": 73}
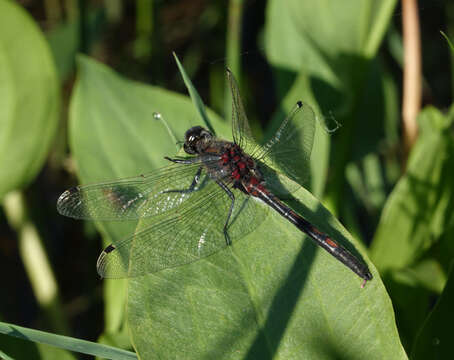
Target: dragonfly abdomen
{"x": 319, "y": 237}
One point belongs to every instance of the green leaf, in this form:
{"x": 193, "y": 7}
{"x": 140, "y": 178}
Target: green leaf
{"x": 114, "y": 295}
{"x": 411, "y": 298}
{"x": 313, "y": 42}
{"x": 4, "y": 356}
{"x": 18, "y": 348}
{"x": 29, "y": 98}
{"x": 435, "y": 339}
{"x": 419, "y": 210}
{"x": 415, "y": 230}
{"x": 65, "y": 342}
{"x": 272, "y": 293}
{"x": 196, "y": 100}
{"x": 443, "y": 250}
{"x": 120, "y": 339}
{"x": 451, "y": 46}
{"x": 429, "y": 274}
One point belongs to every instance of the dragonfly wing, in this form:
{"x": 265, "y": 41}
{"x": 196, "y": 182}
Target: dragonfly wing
{"x": 192, "y": 232}
{"x": 131, "y": 198}
{"x": 241, "y": 131}
{"x": 289, "y": 150}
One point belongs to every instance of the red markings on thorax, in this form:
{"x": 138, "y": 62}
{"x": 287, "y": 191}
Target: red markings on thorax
{"x": 240, "y": 169}
{"x": 254, "y": 186}
{"x": 225, "y": 158}
{"x": 236, "y": 174}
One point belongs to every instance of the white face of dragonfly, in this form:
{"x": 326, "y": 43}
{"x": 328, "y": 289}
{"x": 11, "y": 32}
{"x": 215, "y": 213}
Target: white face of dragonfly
{"x": 197, "y": 139}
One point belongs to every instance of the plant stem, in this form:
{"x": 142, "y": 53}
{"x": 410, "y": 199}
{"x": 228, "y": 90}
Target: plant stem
{"x": 411, "y": 99}
{"x": 35, "y": 260}
{"x": 233, "y": 46}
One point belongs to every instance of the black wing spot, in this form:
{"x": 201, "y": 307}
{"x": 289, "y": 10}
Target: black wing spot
{"x": 109, "y": 248}
{"x": 68, "y": 193}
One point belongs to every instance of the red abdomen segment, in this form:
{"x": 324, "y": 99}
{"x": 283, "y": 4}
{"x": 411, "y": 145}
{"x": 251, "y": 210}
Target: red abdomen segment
{"x": 320, "y": 238}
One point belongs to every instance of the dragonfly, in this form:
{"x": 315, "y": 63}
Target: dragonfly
{"x": 215, "y": 194}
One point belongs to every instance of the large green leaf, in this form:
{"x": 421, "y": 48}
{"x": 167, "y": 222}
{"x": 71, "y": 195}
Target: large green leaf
{"x": 323, "y": 38}
{"x": 195, "y": 97}
{"x": 419, "y": 210}
{"x": 29, "y": 98}
{"x": 413, "y": 241}
{"x": 272, "y": 294}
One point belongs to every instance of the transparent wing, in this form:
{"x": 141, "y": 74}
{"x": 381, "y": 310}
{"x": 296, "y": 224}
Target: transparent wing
{"x": 240, "y": 125}
{"x": 193, "y": 232}
{"x": 131, "y": 198}
{"x": 289, "y": 150}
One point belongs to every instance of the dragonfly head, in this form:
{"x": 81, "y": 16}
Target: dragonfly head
{"x": 196, "y": 140}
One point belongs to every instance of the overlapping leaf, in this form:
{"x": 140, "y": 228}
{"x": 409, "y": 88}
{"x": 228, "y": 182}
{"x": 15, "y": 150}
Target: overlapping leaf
{"x": 29, "y": 98}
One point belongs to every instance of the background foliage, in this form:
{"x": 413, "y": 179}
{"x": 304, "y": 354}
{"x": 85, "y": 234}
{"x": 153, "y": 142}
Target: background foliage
{"x": 68, "y": 118}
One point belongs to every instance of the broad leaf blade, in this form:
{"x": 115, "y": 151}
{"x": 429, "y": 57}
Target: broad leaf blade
{"x": 273, "y": 294}
{"x": 29, "y": 98}
{"x": 313, "y": 42}
{"x": 419, "y": 209}
{"x": 413, "y": 239}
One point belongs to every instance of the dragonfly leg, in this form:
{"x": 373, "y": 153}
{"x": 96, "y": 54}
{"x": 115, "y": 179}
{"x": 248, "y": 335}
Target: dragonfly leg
{"x": 232, "y": 197}
{"x": 191, "y": 188}
{"x": 183, "y": 161}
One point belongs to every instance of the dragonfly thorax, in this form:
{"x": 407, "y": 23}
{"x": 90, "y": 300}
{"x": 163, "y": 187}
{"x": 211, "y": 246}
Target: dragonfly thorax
{"x": 240, "y": 167}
